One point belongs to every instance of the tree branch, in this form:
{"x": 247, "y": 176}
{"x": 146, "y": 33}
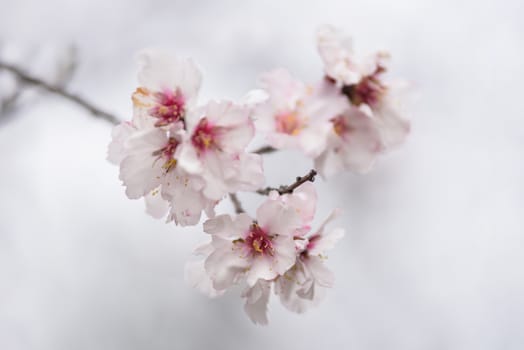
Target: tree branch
{"x": 26, "y": 78}
{"x": 236, "y": 203}
{"x": 290, "y": 188}
{"x": 264, "y": 150}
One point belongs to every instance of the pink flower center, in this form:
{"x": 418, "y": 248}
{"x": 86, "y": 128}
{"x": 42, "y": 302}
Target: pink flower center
{"x": 170, "y": 107}
{"x": 258, "y": 241}
{"x": 369, "y": 90}
{"x": 341, "y": 126}
{"x": 289, "y": 123}
{"x": 312, "y": 242}
{"x": 205, "y": 136}
{"x": 167, "y": 154}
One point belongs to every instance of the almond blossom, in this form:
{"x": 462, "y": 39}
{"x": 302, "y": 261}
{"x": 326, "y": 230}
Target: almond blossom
{"x": 361, "y": 80}
{"x": 183, "y": 159}
{"x": 304, "y": 284}
{"x": 248, "y": 249}
{"x": 257, "y": 300}
{"x": 148, "y": 168}
{"x": 295, "y": 115}
{"x": 340, "y": 62}
{"x": 275, "y": 249}
{"x": 218, "y": 136}
{"x": 354, "y": 142}
{"x": 168, "y": 88}
{"x": 252, "y": 249}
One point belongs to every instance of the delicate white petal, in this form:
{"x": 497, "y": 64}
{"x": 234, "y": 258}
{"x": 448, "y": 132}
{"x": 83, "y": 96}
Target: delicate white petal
{"x": 284, "y": 90}
{"x": 257, "y": 299}
{"x": 340, "y": 62}
{"x": 261, "y": 268}
{"x": 248, "y": 173}
{"x": 288, "y": 286}
{"x": 303, "y": 200}
{"x": 216, "y": 167}
{"x": 235, "y": 139}
{"x": 320, "y": 273}
{"x": 393, "y": 127}
{"x": 285, "y": 254}
{"x": 186, "y": 199}
{"x": 203, "y": 249}
{"x": 219, "y": 225}
{"x": 277, "y": 218}
{"x": 354, "y": 147}
{"x": 119, "y": 135}
{"x": 326, "y": 242}
{"x": 227, "y": 114}
{"x": 161, "y": 70}
{"x": 296, "y": 116}
{"x": 225, "y": 265}
{"x": 255, "y": 97}
{"x": 225, "y": 227}
{"x": 141, "y": 174}
{"x": 187, "y": 159}
{"x": 156, "y": 206}
{"x": 196, "y": 276}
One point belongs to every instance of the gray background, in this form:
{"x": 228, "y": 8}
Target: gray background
{"x": 433, "y": 256}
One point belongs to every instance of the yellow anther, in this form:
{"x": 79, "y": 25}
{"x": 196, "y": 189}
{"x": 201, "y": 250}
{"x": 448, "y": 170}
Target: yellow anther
{"x": 169, "y": 165}
{"x": 256, "y": 246}
{"x": 163, "y": 110}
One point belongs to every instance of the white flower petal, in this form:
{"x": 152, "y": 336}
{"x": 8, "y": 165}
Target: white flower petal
{"x": 116, "y": 151}
{"x": 261, "y": 268}
{"x": 257, "y": 299}
{"x": 156, "y": 206}
{"x": 277, "y": 218}
{"x": 225, "y": 265}
{"x": 320, "y": 273}
{"x": 161, "y": 70}
{"x": 196, "y": 276}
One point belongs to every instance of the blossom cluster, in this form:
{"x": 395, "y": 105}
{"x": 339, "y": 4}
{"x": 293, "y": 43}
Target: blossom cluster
{"x": 183, "y": 157}
{"x": 344, "y": 121}
{"x": 276, "y": 248}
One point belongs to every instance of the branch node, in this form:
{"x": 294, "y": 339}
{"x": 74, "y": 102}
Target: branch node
{"x": 309, "y": 177}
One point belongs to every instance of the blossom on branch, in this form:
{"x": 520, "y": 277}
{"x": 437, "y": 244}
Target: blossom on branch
{"x": 361, "y": 79}
{"x": 168, "y": 89}
{"x": 304, "y": 284}
{"x": 275, "y": 250}
{"x": 295, "y": 115}
{"x": 182, "y": 158}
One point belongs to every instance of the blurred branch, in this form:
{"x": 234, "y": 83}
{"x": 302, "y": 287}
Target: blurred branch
{"x": 26, "y": 78}
{"x": 236, "y": 203}
{"x": 264, "y": 150}
{"x": 289, "y": 189}
{"x": 7, "y": 104}
{"x": 67, "y": 69}
{"x": 65, "y": 72}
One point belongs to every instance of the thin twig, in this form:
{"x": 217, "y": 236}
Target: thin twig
{"x": 66, "y": 71}
{"x": 29, "y": 79}
{"x": 289, "y": 189}
{"x": 8, "y": 103}
{"x": 264, "y": 150}
{"x": 236, "y": 203}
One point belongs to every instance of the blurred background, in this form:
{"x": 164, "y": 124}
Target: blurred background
{"x": 433, "y": 256}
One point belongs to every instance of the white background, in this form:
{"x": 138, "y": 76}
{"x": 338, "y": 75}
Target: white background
{"x": 433, "y": 256}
